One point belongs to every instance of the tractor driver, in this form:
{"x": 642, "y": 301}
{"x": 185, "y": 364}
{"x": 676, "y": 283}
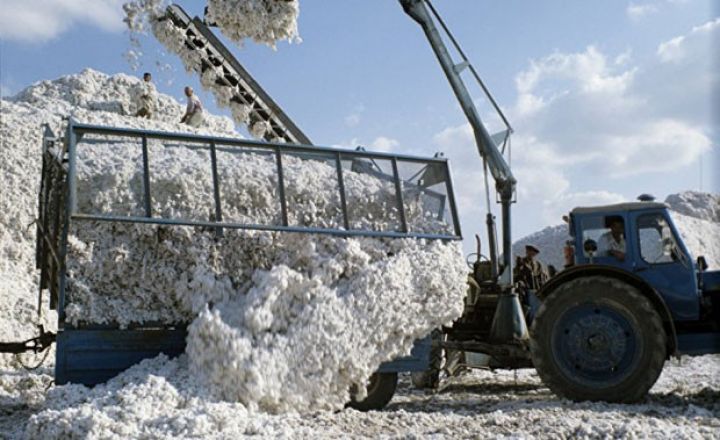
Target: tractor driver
{"x": 613, "y": 241}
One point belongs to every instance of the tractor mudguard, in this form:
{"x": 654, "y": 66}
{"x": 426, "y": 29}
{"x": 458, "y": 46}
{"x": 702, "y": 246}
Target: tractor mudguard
{"x": 648, "y": 291}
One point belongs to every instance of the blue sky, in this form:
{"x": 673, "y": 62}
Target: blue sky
{"x": 608, "y": 99}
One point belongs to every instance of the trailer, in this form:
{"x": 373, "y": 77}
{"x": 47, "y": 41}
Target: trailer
{"x": 89, "y": 353}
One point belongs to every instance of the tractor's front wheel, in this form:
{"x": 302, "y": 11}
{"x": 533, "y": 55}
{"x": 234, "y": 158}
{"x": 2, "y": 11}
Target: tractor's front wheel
{"x": 598, "y": 338}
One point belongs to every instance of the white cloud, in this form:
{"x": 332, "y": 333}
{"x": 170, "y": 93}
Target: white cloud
{"x": 554, "y": 209}
{"x": 637, "y": 11}
{"x": 592, "y": 112}
{"x": 676, "y": 49}
{"x": 355, "y": 117}
{"x": 352, "y": 120}
{"x": 42, "y": 20}
{"x": 590, "y": 126}
{"x": 385, "y": 144}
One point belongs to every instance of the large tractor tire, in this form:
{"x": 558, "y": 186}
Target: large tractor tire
{"x": 430, "y": 378}
{"x": 380, "y": 389}
{"x": 598, "y": 338}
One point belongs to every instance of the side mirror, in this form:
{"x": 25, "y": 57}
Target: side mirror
{"x": 701, "y": 263}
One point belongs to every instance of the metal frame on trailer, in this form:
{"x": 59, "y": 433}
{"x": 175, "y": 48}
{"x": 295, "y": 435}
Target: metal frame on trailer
{"x": 91, "y": 354}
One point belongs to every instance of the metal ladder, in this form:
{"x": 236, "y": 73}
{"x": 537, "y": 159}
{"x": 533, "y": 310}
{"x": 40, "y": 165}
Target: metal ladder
{"x": 200, "y": 38}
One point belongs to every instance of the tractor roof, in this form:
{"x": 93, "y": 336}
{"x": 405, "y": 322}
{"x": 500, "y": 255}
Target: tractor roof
{"x": 628, "y": 206}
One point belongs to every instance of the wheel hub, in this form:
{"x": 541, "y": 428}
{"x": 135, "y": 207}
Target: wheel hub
{"x": 595, "y": 343}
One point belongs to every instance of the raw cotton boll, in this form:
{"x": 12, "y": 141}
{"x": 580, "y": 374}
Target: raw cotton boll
{"x": 240, "y": 112}
{"x": 171, "y": 36}
{"x": 224, "y": 94}
{"x": 139, "y": 13}
{"x": 259, "y": 128}
{"x": 264, "y": 21}
{"x": 208, "y": 78}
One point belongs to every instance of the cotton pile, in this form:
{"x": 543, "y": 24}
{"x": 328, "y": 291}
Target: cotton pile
{"x": 282, "y": 322}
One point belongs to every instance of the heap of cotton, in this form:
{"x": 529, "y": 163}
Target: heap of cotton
{"x": 295, "y": 319}
{"x": 309, "y": 315}
{"x": 122, "y": 273}
{"x": 299, "y": 342}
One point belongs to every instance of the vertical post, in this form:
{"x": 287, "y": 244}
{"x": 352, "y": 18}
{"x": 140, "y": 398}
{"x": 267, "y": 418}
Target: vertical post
{"x": 281, "y": 186}
{"x": 451, "y": 198}
{"x": 341, "y": 185}
{"x": 71, "y": 140}
{"x": 146, "y": 177}
{"x": 399, "y": 196}
{"x": 216, "y": 188}
{"x": 72, "y": 169}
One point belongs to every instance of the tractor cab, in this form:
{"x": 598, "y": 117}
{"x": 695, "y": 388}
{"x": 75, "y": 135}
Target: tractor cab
{"x": 639, "y": 238}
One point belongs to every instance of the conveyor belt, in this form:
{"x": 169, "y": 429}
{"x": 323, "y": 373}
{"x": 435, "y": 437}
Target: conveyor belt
{"x": 248, "y": 92}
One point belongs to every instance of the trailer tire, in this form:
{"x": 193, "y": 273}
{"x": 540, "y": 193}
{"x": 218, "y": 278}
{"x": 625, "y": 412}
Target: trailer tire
{"x": 380, "y": 390}
{"x": 597, "y": 338}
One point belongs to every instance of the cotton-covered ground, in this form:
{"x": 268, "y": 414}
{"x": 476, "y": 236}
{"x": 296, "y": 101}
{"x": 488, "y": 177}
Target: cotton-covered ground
{"x": 158, "y": 399}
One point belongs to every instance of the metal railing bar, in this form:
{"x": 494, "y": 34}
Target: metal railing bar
{"x": 216, "y": 188}
{"x": 281, "y": 188}
{"x": 130, "y": 132}
{"x": 146, "y": 177}
{"x": 276, "y": 228}
{"x": 341, "y": 187}
{"x": 399, "y": 197}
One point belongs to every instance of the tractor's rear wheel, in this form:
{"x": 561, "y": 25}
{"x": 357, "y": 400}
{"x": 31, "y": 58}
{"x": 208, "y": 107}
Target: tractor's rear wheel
{"x": 430, "y": 378}
{"x": 598, "y": 338}
{"x": 380, "y": 390}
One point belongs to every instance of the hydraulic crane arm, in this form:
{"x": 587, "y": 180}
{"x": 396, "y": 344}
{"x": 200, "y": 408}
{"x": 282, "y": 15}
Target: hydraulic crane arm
{"x": 509, "y": 322}
{"x": 500, "y": 170}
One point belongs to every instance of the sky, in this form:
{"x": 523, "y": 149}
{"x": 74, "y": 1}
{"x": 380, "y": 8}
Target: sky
{"x": 608, "y": 100}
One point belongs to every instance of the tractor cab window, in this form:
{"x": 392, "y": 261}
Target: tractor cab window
{"x": 657, "y": 242}
{"x": 604, "y": 236}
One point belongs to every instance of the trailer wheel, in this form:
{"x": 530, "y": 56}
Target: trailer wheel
{"x": 380, "y": 389}
{"x": 598, "y": 338}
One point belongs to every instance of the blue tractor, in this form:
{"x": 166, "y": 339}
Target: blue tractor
{"x": 609, "y": 321}
{"x": 630, "y": 296}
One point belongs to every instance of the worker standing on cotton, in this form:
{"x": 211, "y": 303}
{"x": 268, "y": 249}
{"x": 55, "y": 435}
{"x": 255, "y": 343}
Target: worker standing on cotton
{"x": 194, "y": 112}
{"x": 146, "y": 97}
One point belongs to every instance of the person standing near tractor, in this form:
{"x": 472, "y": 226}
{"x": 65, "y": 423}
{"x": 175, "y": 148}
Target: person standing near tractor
{"x": 529, "y": 271}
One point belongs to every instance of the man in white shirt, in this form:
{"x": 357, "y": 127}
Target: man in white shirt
{"x": 612, "y": 243}
{"x": 194, "y": 112}
{"x": 145, "y": 97}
